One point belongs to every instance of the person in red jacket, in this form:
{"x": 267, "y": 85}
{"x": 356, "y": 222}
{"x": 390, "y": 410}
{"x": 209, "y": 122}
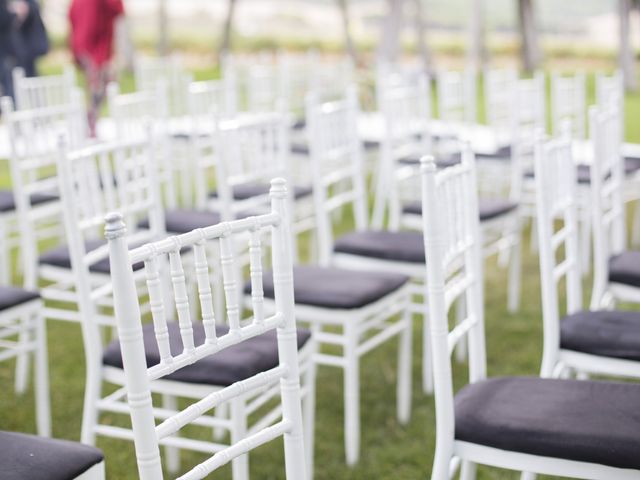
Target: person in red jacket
{"x": 92, "y": 25}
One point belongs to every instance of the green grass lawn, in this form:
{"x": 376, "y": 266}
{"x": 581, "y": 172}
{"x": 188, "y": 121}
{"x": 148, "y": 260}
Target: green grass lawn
{"x": 389, "y": 450}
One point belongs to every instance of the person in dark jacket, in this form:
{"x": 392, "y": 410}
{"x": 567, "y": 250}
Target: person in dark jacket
{"x": 31, "y": 40}
{"x": 12, "y": 15}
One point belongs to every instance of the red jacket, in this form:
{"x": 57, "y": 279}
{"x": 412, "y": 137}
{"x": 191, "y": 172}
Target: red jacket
{"x": 92, "y": 25}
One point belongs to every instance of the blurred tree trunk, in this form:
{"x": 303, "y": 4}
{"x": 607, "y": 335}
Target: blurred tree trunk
{"x": 346, "y": 25}
{"x": 477, "y": 51}
{"x": 163, "y": 28}
{"x": 392, "y": 26}
{"x": 225, "y": 44}
{"x": 529, "y": 39}
{"x": 421, "y": 31}
{"x": 626, "y": 54}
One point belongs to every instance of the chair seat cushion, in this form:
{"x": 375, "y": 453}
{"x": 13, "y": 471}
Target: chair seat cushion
{"x": 28, "y": 457}
{"x": 245, "y": 191}
{"x": 605, "y": 333}
{"x": 381, "y": 244}
{"x": 13, "y": 296}
{"x": 336, "y": 288}
{"x": 631, "y": 164}
{"x": 625, "y": 268}
{"x": 8, "y": 203}
{"x": 502, "y": 153}
{"x": 596, "y": 422}
{"x": 61, "y": 257}
{"x": 224, "y": 368}
{"x": 490, "y": 208}
{"x": 183, "y": 221}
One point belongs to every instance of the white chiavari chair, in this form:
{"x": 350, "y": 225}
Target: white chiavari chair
{"x": 499, "y": 87}
{"x": 616, "y": 268}
{"x": 587, "y": 341}
{"x": 378, "y": 288}
{"x": 45, "y": 91}
{"x": 406, "y": 111}
{"x": 569, "y": 102}
{"x": 457, "y": 99}
{"x": 209, "y": 339}
{"x": 23, "y": 335}
{"x": 546, "y": 426}
{"x": 37, "y": 458}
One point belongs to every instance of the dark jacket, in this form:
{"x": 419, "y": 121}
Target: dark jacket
{"x": 7, "y": 21}
{"x": 30, "y": 39}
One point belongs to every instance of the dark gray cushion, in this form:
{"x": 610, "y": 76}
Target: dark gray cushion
{"x": 606, "y": 333}
{"x": 183, "y": 221}
{"x": 502, "y": 153}
{"x": 249, "y": 190}
{"x": 12, "y": 296}
{"x": 8, "y": 204}
{"x": 588, "y": 421}
{"x": 583, "y": 172}
{"x": 335, "y": 287}
{"x": 625, "y": 268}
{"x": 27, "y": 457}
{"x": 631, "y": 164}
{"x": 385, "y": 245}
{"x": 489, "y": 208}
{"x": 60, "y": 257}
{"x": 300, "y": 149}
{"x": 228, "y": 366}
{"x": 442, "y": 161}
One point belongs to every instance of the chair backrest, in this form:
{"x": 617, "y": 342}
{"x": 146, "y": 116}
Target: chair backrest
{"x": 148, "y": 436}
{"x": 245, "y": 151}
{"x": 606, "y": 200}
{"x": 149, "y": 72}
{"x": 609, "y": 88}
{"x": 528, "y": 121}
{"x": 457, "y": 96}
{"x": 499, "y": 88}
{"x": 210, "y": 98}
{"x": 45, "y": 91}
{"x": 454, "y": 270}
{"x": 569, "y": 101}
{"x": 336, "y": 164}
{"x": 557, "y": 226}
{"x": 34, "y": 137}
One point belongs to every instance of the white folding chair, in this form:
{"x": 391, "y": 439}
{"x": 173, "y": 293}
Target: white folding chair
{"x": 37, "y": 458}
{"x": 616, "y": 268}
{"x": 457, "y": 99}
{"x": 587, "y": 341}
{"x": 499, "y": 87}
{"x": 45, "y": 91}
{"x": 546, "y": 426}
{"x": 206, "y": 340}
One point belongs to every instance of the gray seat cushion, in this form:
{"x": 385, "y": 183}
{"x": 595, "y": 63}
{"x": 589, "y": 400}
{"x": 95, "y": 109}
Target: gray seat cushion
{"x": 249, "y": 190}
{"x": 625, "y": 268}
{"x": 489, "y": 208}
{"x": 12, "y": 296}
{"x": 583, "y": 172}
{"x": 28, "y": 457}
{"x": 384, "y": 245}
{"x": 60, "y": 257}
{"x": 336, "y": 288}
{"x": 631, "y": 164}
{"x": 588, "y": 421}
{"x": 228, "y": 366}
{"x": 183, "y": 221}
{"x": 8, "y": 203}
{"x": 605, "y": 333}
{"x": 502, "y": 153}
{"x": 442, "y": 161}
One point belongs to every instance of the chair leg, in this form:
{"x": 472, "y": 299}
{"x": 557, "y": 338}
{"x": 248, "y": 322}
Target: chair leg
{"x": 442, "y": 460}
{"x": 43, "y": 402}
{"x": 461, "y": 313}
{"x": 468, "y": 471}
{"x": 515, "y": 274}
{"x": 92, "y": 391}
{"x": 23, "y": 359}
{"x": 635, "y": 232}
{"x": 351, "y": 397}
{"x": 239, "y": 465}
{"x": 308, "y": 412}
{"x": 222, "y": 411}
{"x": 172, "y": 461}
{"x": 528, "y": 476}
{"x": 404, "y": 370}
{"x": 5, "y": 255}
{"x": 585, "y": 242}
{"x": 427, "y": 365}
